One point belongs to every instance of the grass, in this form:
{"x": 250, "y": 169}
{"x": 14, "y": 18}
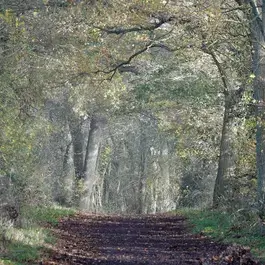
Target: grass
{"x": 20, "y": 254}
{"x": 26, "y": 245}
{"x": 240, "y": 227}
{"x": 40, "y": 215}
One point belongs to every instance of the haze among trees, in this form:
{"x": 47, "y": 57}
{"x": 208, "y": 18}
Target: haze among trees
{"x": 132, "y": 106}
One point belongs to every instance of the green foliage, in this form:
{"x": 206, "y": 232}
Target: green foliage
{"x": 49, "y": 215}
{"x": 241, "y": 227}
{"x": 65, "y": 56}
{"x": 172, "y": 84}
{"x": 25, "y": 245}
{"x": 21, "y": 253}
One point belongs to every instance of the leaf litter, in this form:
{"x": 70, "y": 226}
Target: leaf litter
{"x": 138, "y": 240}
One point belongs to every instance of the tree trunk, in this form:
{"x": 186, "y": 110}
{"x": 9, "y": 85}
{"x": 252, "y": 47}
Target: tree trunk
{"x": 66, "y": 178}
{"x": 154, "y": 196}
{"x": 165, "y": 177}
{"x": 142, "y": 173}
{"x": 75, "y": 125}
{"x": 225, "y": 157}
{"x": 258, "y": 42}
{"x": 105, "y": 199}
{"x": 257, "y": 24}
{"x": 91, "y": 162}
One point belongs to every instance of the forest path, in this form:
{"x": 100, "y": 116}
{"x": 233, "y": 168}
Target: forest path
{"x": 130, "y": 240}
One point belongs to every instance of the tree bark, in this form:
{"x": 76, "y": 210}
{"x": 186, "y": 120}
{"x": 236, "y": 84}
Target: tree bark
{"x": 165, "y": 176}
{"x": 142, "y": 173}
{"x": 91, "y": 161}
{"x": 66, "y": 179}
{"x": 154, "y": 196}
{"x": 258, "y": 41}
{"x": 225, "y": 162}
{"x": 75, "y": 125}
{"x": 106, "y": 186}
{"x": 257, "y": 25}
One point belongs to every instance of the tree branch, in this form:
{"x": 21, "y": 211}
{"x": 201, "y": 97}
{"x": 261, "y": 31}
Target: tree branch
{"x": 161, "y": 20}
{"x": 219, "y": 67}
{"x": 228, "y": 10}
{"x": 124, "y": 63}
{"x": 165, "y": 47}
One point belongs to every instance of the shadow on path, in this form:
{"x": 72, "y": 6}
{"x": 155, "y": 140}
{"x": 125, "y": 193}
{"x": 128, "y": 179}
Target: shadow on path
{"x": 113, "y": 240}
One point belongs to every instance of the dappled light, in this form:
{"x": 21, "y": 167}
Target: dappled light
{"x": 132, "y": 132}
{"x": 113, "y": 240}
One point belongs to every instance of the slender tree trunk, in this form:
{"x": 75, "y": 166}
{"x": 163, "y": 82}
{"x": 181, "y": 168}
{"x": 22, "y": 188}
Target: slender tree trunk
{"x": 66, "y": 178}
{"x": 105, "y": 195}
{"x": 154, "y": 195}
{"x": 142, "y": 173}
{"x": 225, "y": 156}
{"x": 60, "y": 187}
{"x": 75, "y": 125}
{"x": 165, "y": 176}
{"x": 141, "y": 188}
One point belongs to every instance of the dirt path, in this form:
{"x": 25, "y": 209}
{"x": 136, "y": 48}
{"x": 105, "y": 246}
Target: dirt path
{"x": 113, "y": 240}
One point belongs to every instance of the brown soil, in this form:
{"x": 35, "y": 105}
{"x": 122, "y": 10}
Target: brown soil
{"x": 136, "y": 240}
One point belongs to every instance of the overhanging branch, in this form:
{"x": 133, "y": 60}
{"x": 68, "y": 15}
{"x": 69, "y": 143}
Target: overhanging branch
{"x": 152, "y": 26}
{"x": 127, "y": 62}
{"x": 158, "y": 21}
{"x": 124, "y": 63}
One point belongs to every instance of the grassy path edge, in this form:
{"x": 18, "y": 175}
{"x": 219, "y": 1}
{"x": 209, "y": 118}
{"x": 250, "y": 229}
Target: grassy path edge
{"x": 25, "y": 243}
{"x": 240, "y": 227}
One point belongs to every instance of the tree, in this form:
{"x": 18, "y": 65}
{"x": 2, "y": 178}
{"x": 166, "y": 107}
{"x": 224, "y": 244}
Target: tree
{"x": 256, "y": 21}
{"x": 96, "y": 72}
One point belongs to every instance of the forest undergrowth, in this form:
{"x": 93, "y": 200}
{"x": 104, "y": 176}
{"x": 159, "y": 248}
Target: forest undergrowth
{"x": 242, "y": 227}
{"x": 27, "y": 241}
{"x": 23, "y": 242}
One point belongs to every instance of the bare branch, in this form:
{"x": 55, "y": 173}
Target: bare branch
{"x": 219, "y": 67}
{"x": 119, "y": 31}
{"x": 123, "y": 63}
{"x": 228, "y": 10}
{"x": 126, "y": 64}
{"x": 165, "y": 47}
{"x": 153, "y": 26}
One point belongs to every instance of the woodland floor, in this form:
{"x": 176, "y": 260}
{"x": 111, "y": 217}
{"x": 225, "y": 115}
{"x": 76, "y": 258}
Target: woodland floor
{"x": 132, "y": 240}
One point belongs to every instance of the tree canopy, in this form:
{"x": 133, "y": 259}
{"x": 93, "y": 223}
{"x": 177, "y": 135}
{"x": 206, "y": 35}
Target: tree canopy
{"x": 132, "y": 106}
